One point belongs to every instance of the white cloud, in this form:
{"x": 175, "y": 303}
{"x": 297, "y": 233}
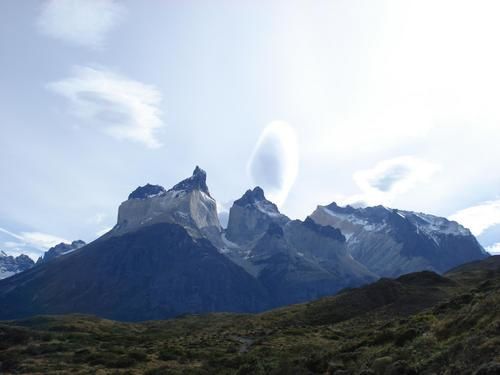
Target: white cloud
{"x": 274, "y": 162}
{"x": 32, "y": 244}
{"x": 124, "y": 108}
{"x": 392, "y": 177}
{"x": 480, "y": 217}
{"x": 42, "y": 240}
{"x": 37, "y": 239}
{"x": 82, "y": 22}
{"x": 494, "y": 249}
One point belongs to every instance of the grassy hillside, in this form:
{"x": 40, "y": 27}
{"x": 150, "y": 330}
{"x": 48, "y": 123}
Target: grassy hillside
{"x": 418, "y": 323}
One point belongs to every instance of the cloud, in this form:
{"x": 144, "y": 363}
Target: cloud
{"x": 274, "y": 162}
{"x": 32, "y": 244}
{"x": 392, "y": 177}
{"x": 494, "y": 249}
{"x": 480, "y": 217}
{"x": 125, "y": 109}
{"x": 82, "y": 22}
{"x": 42, "y": 240}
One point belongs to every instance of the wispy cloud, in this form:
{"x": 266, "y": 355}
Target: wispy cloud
{"x": 32, "y": 244}
{"x": 42, "y": 240}
{"x": 82, "y": 22}
{"x": 480, "y": 217}
{"x": 125, "y": 109}
{"x": 381, "y": 183}
{"x": 274, "y": 162}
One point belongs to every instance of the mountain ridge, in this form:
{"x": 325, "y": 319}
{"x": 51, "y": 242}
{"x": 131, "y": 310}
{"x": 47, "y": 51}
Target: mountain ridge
{"x": 262, "y": 254}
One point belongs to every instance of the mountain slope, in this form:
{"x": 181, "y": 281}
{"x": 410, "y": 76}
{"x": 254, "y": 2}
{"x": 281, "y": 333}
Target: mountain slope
{"x": 421, "y": 323}
{"x": 158, "y": 271}
{"x": 394, "y": 242}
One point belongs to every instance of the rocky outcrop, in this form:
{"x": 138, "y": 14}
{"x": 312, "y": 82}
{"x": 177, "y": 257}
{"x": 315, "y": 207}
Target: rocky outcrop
{"x": 251, "y": 215}
{"x": 188, "y": 204}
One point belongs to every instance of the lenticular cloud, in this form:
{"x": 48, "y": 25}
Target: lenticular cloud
{"x": 274, "y": 161}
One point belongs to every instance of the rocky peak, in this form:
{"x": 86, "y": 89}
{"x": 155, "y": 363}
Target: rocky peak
{"x": 251, "y": 215}
{"x": 251, "y": 197}
{"x": 147, "y": 191}
{"x": 198, "y": 181}
{"x": 341, "y": 210}
{"x": 60, "y": 249}
{"x": 187, "y": 204}
{"x": 10, "y": 265}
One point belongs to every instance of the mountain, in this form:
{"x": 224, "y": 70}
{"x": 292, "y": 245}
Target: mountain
{"x": 157, "y": 271}
{"x": 188, "y": 204}
{"x": 296, "y": 261}
{"x": 157, "y": 262}
{"x": 60, "y": 249}
{"x": 168, "y": 255}
{"x": 251, "y": 215}
{"x": 393, "y": 242}
{"x": 420, "y": 323}
{"x": 10, "y": 265}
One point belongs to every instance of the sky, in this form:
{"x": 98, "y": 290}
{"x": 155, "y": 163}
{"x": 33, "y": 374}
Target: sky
{"x": 360, "y": 102}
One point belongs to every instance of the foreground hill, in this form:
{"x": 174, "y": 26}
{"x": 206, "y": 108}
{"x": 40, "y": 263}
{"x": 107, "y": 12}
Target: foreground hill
{"x": 156, "y": 271}
{"x": 420, "y": 323}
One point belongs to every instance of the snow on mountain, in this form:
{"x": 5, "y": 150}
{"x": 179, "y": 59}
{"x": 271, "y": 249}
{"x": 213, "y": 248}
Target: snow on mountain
{"x": 10, "y": 265}
{"x": 393, "y": 242}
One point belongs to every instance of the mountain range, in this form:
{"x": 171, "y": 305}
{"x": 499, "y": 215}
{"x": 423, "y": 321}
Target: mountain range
{"x": 10, "y": 265}
{"x": 169, "y": 255}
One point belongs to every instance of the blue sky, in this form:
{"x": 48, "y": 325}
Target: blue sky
{"x": 367, "y": 102}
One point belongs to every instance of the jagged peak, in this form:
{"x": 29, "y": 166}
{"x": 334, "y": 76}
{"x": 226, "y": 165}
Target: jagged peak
{"x": 251, "y": 197}
{"x": 343, "y": 210}
{"x": 198, "y": 181}
{"x": 147, "y": 191}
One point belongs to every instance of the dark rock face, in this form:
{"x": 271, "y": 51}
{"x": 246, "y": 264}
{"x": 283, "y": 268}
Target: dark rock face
{"x": 10, "y": 265}
{"x": 60, "y": 249}
{"x": 198, "y": 181}
{"x": 300, "y": 262}
{"x": 394, "y": 242}
{"x": 154, "y": 273}
{"x": 147, "y": 191}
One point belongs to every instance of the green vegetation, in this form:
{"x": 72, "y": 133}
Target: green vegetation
{"x": 420, "y": 323}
